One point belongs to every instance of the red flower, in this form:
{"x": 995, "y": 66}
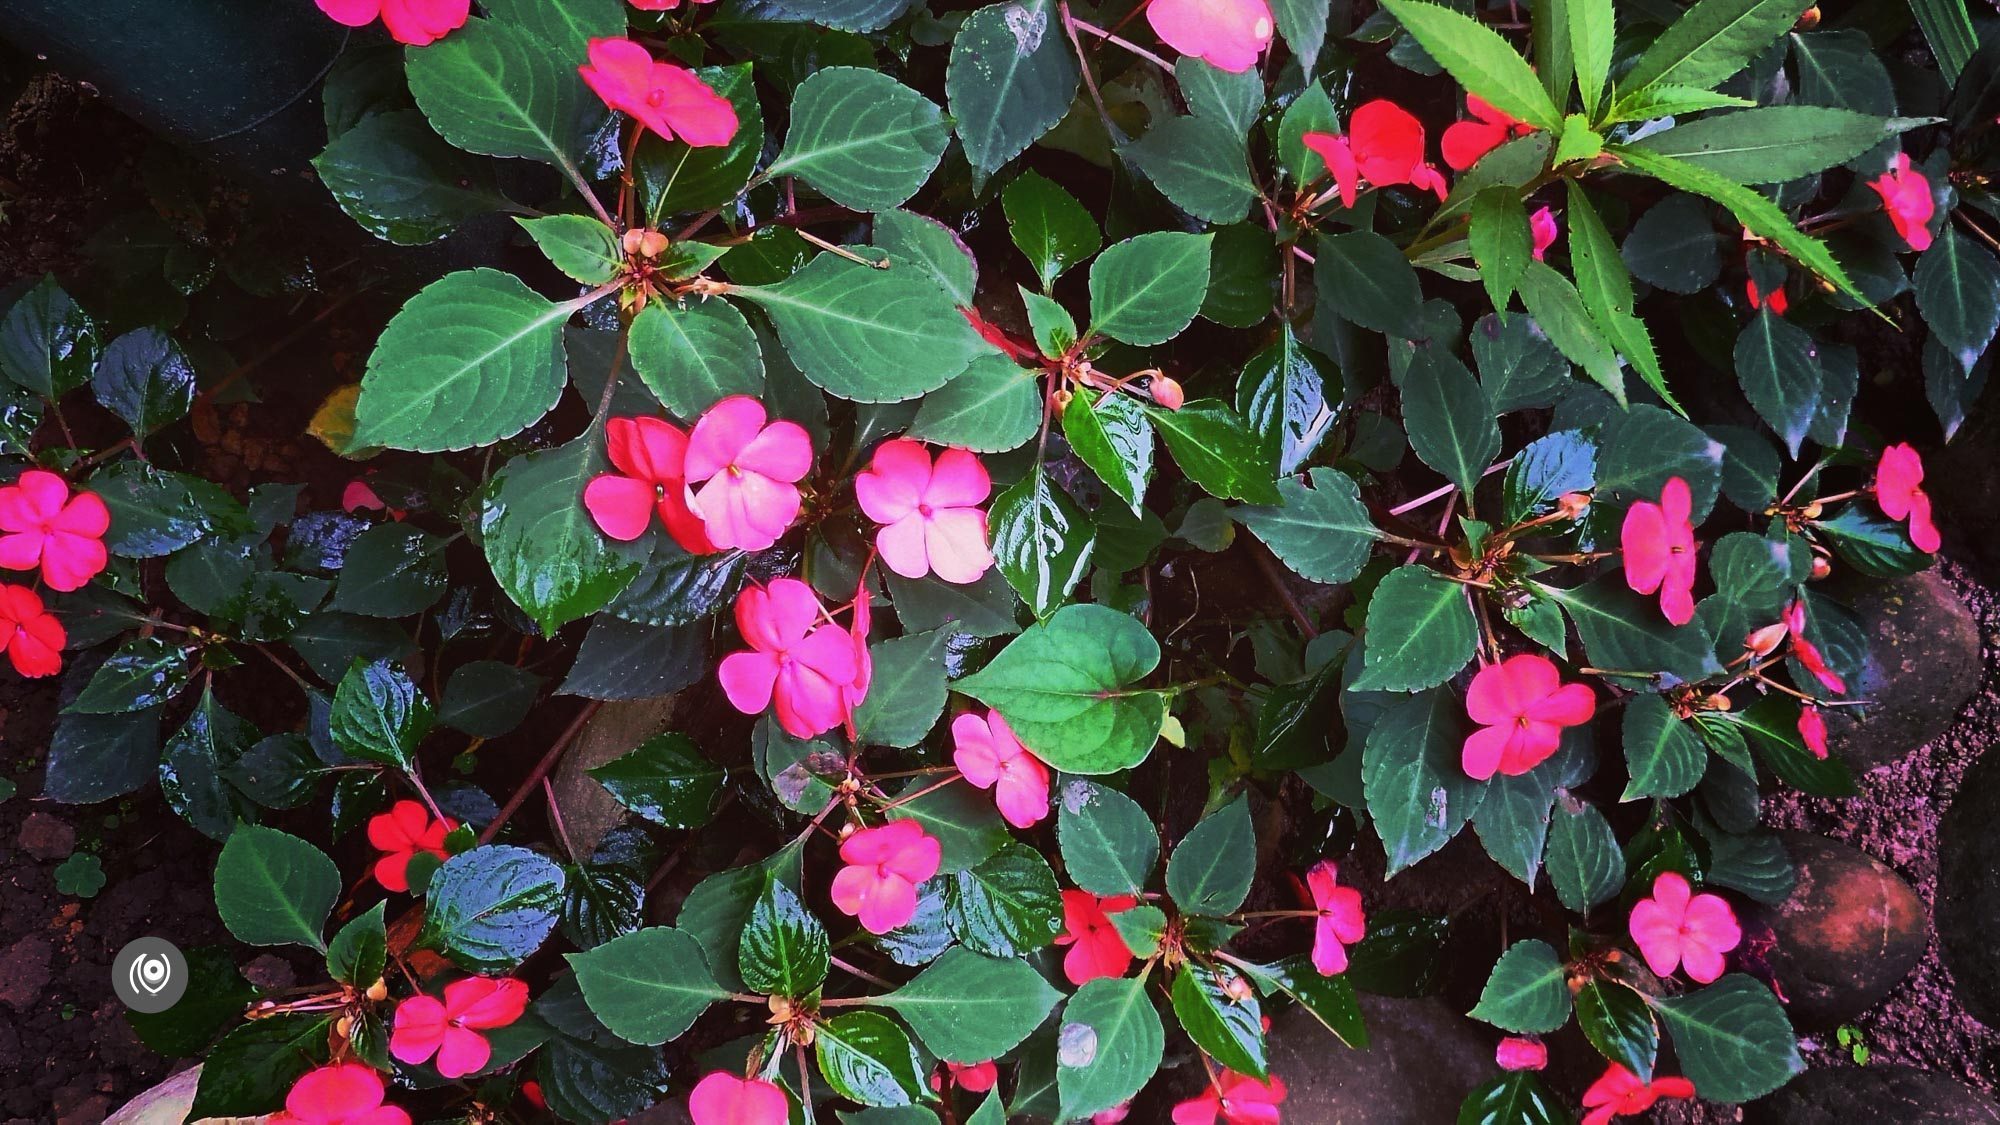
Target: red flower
{"x": 1659, "y": 547}
{"x": 1906, "y": 196}
{"x": 1515, "y": 1053}
{"x": 1096, "y": 947}
{"x": 1236, "y": 1099}
{"x": 1466, "y": 141}
{"x": 1619, "y": 1093}
{"x": 663, "y": 5}
{"x": 884, "y": 866}
{"x": 342, "y": 1094}
{"x": 1899, "y": 489}
{"x": 1543, "y": 227}
{"x": 973, "y": 1078}
{"x": 402, "y": 832}
{"x": 1522, "y": 706}
{"x": 31, "y": 636}
{"x": 1679, "y": 929}
{"x": 1777, "y": 300}
{"x": 721, "y": 1098}
{"x": 804, "y": 664}
{"x": 1808, "y": 652}
{"x": 651, "y": 457}
{"x": 665, "y": 98}
{"x": 1384, "y": 145}
{"x": 1340, "y": 922}
{"x": 1812, "y": 728}
{"x": 418, "y": 23}
{"x": 49, "y": 529}
{"x": 450, "y": 1028}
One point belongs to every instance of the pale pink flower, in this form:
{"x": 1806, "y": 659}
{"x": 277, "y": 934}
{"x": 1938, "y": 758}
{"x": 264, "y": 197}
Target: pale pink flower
{"x": 884, "y": 865}
{"x": 990, "y": 757}
{"x": 930, "y": 515}
{"x": 1226, "y": 34}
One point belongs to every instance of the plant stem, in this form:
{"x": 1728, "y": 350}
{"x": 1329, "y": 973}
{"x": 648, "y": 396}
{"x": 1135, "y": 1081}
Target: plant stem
{"x": 541, "y": 770}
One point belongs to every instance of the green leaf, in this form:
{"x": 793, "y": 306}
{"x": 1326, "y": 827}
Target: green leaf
{"x": 1872, "y": 543}
{"x": 488, "y": 698}
{"x": 1501, "y": 242}
{"x": 1665, "y": 756}
{"x": 1420, "y": 631}
{"x": 1291, "y": 395}
{"x": 1671, "y": 101}
{"x": 907, "y": 693}
{"x": 1559, "y": 311}
{"x": 994, "y": 406}
{"x": 969, "y": 1008}
{"x": 1049, "y": 225}
{"x": 1329, "y": 1000}
{"x": 844, "y": 15}
{"x": 1302, "y": 23}
{"x": 984, "y": 608}
{"x": 145, "y": 379}
{"x": 1375, "y": 284}
{"x": 866, "y": 334}
{"x": 1778, "y": 365}
{"x": 380, "y": 714}
{"x": 1200, "y": 164}
{"x": 784, "y": 950}
{"x": 1732, "y": 1038}
{"x": 1641, "y": 449}
{"x": 861, "y": 138}
{"x": 867, "y": 1058}
{"x": 273, "y": 888}
{"x": 1417, "y": 789}
{"x": 569, "y": 26}
{"x": 1957, "y": 286}
{"x": 1549, "y": 468}
{"x": 391, "y": 570}
{"x": 1217, "y": 451}
{"x": 195, "y": 765}
{"x": 1042, "y": 541}
{"x": 1322, "y": 533}
{"x": 1006, "y": 905}
{"x": 1948, "y": 30}
{"x": 145, "y": 672}
{"x": 1109, "y": 845}
{"x": 665, "y": 780}
{"x": 647, "y": 986}
{"x": 1211, "y": 868}
{"x": 1482, "y": 61}
{"x": 1518, "y": 365}
{"x": 1311, "y": 112}
{"x": 1710, "y": 42}
{"x": 48, "y": 344}
{"x": 1606, "y": 288}
{"x": 1518, "y": 1098}
{"x": 1528, "y": 991}
{"x": 543, "y": 547}
{"x": 1592, "y": 32}
{"x": 1585, "y": 865}
{"x": 1053, "y": 327}
{"x": 578, "y": 245}
{"x": 1675, "y": 246}
{"x": 694, "y": 356}
{"x": 1065, "y": 687}
{"x": 1578, "y": 142}
{"x": 1773, "y": 144}
{"x": 962, "y": 819}
{"x": 1615, "y": 1020}
{"x": 1231, "y": 1031}
{"x": 675, "y": 176}
{"x": 500, "y": 90}
{"x": 1772, "y": 726}
{"x": 1449, "y": 418}
{"x": 1110, "y": 433}
{"x": 933, "y": 248}
{"x": 488, "y": 909}
{"x": 1010, "y": 80}
{"x": 1625, "y": 635}
{"x": 156, "y": 513}
{"x": 1146, "y": 289}
{"x": 359, "y": 953}
{"x": 474, "y": 357}
{"x": 251, "y": 1069}
{"x": 1109, "y": 1042}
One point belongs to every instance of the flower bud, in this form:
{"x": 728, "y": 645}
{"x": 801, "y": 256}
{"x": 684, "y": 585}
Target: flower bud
{"x": 1573, "y": 504}
{"x": 1813, "y": 510}
{"x": 1765, "y": 641}
{"x": 1166, "y": 392}
{"x": 1061, "y": 399}
{"x": 379, "y": 991}
{"x": 1516, "y": 1053}
{"x": 1809, "y": 19}
{"x": 640, "y": 242}
{"x": 1237, "y": 989}
{"x": 1821, "y": 567}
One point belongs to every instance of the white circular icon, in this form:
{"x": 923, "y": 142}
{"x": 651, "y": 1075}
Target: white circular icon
{"x": 149, "y": 975}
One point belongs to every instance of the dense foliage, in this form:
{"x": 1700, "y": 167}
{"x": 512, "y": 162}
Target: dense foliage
{"x": 950, "y": 349}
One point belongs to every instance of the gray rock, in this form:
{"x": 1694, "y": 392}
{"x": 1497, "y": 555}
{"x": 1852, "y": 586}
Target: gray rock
{"x": 1850, "y": 930}
{"x": 1423, "y": 1060}
{"x": 46, "y": 837}
{"x": 1890, "y": 1095}
{"x": 1968, "y": 898}
{"x": 1923, "y": 666}
{"x": 588, "y": 809}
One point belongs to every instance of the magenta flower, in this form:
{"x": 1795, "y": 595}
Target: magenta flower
{"x": 1226, "y": 34}
{"x": 1522, "y": 706}
{"x": 1384, "y": 145}
{"x": 650, "y": 455}
{"x": 1812, "y": 730}
{"x": 721, "y": 1098}
{"x": 884, "y": 865}
{"x": 418, "y": 23}
{"x": 990, "y": 757}
{"x": 1340, "y": 922}
{"x": 48, "y": 529}
{"x": 1679, "y": 929}
{"x": 797, "y": 658}
{"x": 1096, "y": 947}
{"x": 973, "y": 1078}
{"x": 1906, "y": 196}
{"x": 665, "y": 98}
{"x": 748, "y": 473}
{"x": 1899, "y": 489}
{"x": 1516, "y": 1053}
{"x": 1543, "y": 227}
{"x": 1659, "y": 548}
{"x": 930, "y": 515}
{"x": 1619, "y": 1093}
{"x": 1234, "y": 1099}
{"x": 449, "y": 1028}
{"x": 1794, "y": 620}
{"x": 342, "y": 1094}
{"x": 30, "y": 635}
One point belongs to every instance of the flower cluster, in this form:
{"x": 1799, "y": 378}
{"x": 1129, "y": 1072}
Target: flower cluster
{"x": 45, "y": 530}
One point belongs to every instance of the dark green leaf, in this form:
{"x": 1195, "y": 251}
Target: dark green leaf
{"x": 1211, "y": 868}
{"x": 273, "y": 888}
{"x": 1417, "y": 790}
{"x": 488, "y": 909}
{"x": 1420, "y": 631}
{"x": 666, "y": 780}
{"x": 646, "y": 987}
{"x": 1042, "y": 541}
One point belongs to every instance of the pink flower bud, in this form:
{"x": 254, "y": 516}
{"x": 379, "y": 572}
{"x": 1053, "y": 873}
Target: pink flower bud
{"x": 1516, "y": 1053}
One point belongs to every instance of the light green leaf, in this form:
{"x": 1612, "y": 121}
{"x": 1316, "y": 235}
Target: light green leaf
{"x": 1109, "y": 1042}
{"x": 1146, "y": 289}
{"x": 1605, "y": 286}
{"x": 1593, "y": 31}
{"x": 992, "y": 407}
{"x": 1528, "y": 991}
{"x": 1109, "y": 844}
{"x": 692, "y": 356}
{"x": 1065, "y": 686}
{"x": 1482, "y": 61}
{"x": 578, "y": 245}
{"x": 867, "y": 1058}
{"x": 500, "y": 90}
{"x": 1501, "y": 241}
{"x": 1710, "y": 42}
{"x": 1217, "y": 451}
{"x": 1773, "y": 144}
{"x": 861, "y": 138}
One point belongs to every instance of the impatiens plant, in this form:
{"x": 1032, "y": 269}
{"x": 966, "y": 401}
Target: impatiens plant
{"x": 1029, "y": 443}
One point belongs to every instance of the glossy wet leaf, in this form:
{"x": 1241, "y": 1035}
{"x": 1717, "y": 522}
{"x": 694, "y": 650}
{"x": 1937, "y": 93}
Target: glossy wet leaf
{"x": 1042, "y": 541}
{"x": 144, "y": 673}
{"x": 1229, "y": 1030}
{"x": 1109, "y": 1042}
{"x": 868, "y": 1058}
{"x": 380, "y": 714}
{"x": 543, "y": 547}
{"x": 1066, "y": 686}
{"x": 145, "y": 379}
{"x": 1011, "y": 78}
{"x": 1113, "y": 436}
{"x": 674, "y": 176}
{"x": 665, "y": 780}
{"x": 488, "y": 909}
{"x": 1527, "y": 991}
{"x": 48, "y": 344}
{"x": 1109, "y": 845}
{"x": 1048, "y": 225}
{"x": 391, "y": 570}
{"x": 861, "y": 138}
{"x": 784, "y": 948}
{"x": 1217, "y": 450}
{"x": 1616, "y": 1021}
{"x": 693, "y": 355}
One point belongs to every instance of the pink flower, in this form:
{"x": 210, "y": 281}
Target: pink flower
{"x": 1384, "y": 145}
{"x": 1678, "y": 929}
{"x": 797, "y": 658}
{"x": 1812, "y": 729}
{"x": 1340, "y": 922}
{"x": 342, "y": 1094}
{"x": 1167, "y": 394}
{"x": 1237, "y": 1099}
{"x": 1465, "y": 142}
{"x": 973, "y": 1078}
{"x": 402, "y": 832}
{"x": 751, "y": 472}
{"x": 1659, "y": 547}
{"x": 1899, "y": 489}
{"x": 450, "y": 1028}
{"x": 30, "y": 635}
{"x": 1226, "y": 34}
{"x": 987, "y": 753}
{"x": 721, "y": 1098}
{"x": 1516, "y": 1053}
{"x": 419, "y": 23}
{"x": 930, "y": 515}
{"x": 1543, "y": 226}
{"x": 663, "y": 5}
{"x": 884, "y": 866}
{"x": 1096, "y": 947}
{"x": 1619, "y": 1093}
{"x": 1906, "y": 196}
{"x": 1808, "y": 652}
{"x": 48, "y": 528}
{"x": 665, "y": 98}
{"x": 1111, "y": 1116}
{"x": 650, "y": 456}
{"x": 1522, "y": 706}
{"x": 861, "y": 620}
